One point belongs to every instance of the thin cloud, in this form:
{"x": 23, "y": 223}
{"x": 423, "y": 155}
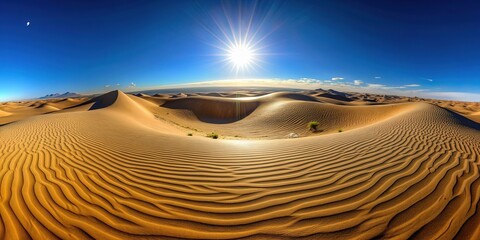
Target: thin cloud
{"x": 412, "y": 85}
{"x": 383, "y": 86}
{"x": 337, "y": 78}
{"x": 357, "y": 82}
{"x": 459, "y": 96}
{"x": 377, "y": 77}
{"x": 373, "y": 85}
{"x": 312, "y": 83}
{"x": 418, "y": 90}
{"x": 394, "y": 87}
{"x": 307, "y": 80}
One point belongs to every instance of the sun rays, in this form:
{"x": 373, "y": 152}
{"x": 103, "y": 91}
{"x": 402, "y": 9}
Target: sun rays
{"x": 239, "y": 37}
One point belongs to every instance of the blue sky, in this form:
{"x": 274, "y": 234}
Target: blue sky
{"x": 420, "y": 48}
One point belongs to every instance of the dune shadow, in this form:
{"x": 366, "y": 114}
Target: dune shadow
{"x": 463, "y": 120}
{"x": 5, "y": 124}
{"x": 99, "y": 102}
{"x": 214, "y": 111}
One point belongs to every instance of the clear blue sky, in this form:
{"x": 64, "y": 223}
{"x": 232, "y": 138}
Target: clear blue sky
{"x": 82, "y": 46}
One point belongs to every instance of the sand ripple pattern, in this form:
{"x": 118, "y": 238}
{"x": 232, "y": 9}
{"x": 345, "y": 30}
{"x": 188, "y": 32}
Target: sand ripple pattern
{"x": 92, "y": 175}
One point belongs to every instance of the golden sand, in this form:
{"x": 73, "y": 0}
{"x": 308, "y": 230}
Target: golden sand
{"x": 123, "y": 167}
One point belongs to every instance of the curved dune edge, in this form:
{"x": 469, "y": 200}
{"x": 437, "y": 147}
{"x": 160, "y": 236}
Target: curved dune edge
{"x": 212, "y": 109}
{"x": 102, "y": 174}
{"x": 46, "y": 107}
{"x": 4, "y": 114}
{"x": 272, "y": 116}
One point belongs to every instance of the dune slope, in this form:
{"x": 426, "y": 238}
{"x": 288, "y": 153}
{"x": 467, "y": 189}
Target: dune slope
{"x": 214, "y": 110}
{"x": 4, "y": 114}
{"x": 273, "y": 116}
{"x": 116, "y": 172}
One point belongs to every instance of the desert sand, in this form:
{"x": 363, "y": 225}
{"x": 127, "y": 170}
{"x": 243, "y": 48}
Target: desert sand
{"x": 119, "y": 166}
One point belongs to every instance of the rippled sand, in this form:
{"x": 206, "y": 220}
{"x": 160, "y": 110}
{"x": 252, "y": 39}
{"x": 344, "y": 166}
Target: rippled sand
{"x": 123, "y": 167}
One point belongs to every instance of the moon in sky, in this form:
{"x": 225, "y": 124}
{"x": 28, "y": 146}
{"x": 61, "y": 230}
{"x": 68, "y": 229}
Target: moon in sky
{"x": 28, "y": 24}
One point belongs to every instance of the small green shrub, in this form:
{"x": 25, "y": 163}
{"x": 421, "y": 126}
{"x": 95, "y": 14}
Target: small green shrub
{"x": 190, "y": 134}
{"x": 212, "y": 135}
{"x": 312, "y": 126}
{"x": 340, "y": 130}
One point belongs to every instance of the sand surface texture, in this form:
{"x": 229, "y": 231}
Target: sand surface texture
{"x": 119, "y": 166}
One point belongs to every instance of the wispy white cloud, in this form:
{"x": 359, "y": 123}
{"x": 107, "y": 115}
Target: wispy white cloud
{"x": 357, "y": 82}
{"x": 132, "y": 85}
{"x": 337, "y": 78}
{"x": 107, "y": 86}
{"x": 429, "y": 79}
{"x": 459, "y": 96}
{"x": 302, "y": 83}
{"x": 394, "y": 87}
{"x": 308, "y": 80}
{"x": 377, "y": 77}
{"x": 383, "y": 86}
{"x": 418, "y": 90}
{"x": 312, "y": 83}
{"x": 374, "y": 85}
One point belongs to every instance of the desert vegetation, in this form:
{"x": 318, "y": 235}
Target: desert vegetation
{"x": 212, "y": 135}
{"x": 313, "y": 126}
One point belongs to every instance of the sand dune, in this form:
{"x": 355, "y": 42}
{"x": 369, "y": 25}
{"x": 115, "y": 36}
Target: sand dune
{"x": 67, "y": 102}
{"x": 274, "y": 115}
{"x": 4, "y": 114}
{"x": 122, "y": 167}
{"x": 17, "y": 111}
{"x": 47, "y": 107}
{"x": 214, "y": 110}
{"x": 161, "y": 95}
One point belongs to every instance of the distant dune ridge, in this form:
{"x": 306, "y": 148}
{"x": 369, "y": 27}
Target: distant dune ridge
{"x": 4, "y": 113}
{"x": 119, "y": 166}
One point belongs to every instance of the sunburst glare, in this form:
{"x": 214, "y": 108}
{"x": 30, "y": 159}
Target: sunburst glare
{"x": 239, "y": 36}
{"x": 241, "y": 56}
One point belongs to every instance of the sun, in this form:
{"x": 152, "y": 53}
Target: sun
{"x": 241, "y": 56}
{"x": 239, "y": 34}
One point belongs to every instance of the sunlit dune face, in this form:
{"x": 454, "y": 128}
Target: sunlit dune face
{"x": 241, "y": 56}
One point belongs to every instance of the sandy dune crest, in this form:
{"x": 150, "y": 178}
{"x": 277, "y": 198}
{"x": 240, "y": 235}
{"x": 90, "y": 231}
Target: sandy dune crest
{"x": 4, "y": 113}
{"x": 123, "y": 167}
